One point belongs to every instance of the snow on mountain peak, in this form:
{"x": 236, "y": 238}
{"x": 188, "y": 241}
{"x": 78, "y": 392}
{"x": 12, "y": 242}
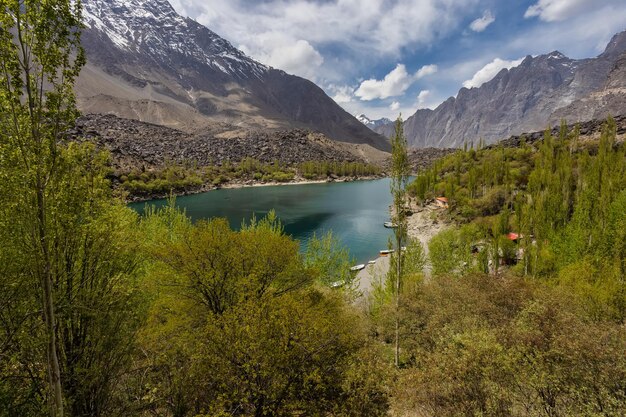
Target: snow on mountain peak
{"x": 153, "y": 27}
{"x": 363, "y": 119}
{"x": 372, "y": 123}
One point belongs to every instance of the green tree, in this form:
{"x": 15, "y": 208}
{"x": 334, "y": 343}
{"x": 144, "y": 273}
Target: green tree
{"x": 275, "y": 344}
{"x": 329, "y": 259}
{"x": 400, "y": 171}
{"x": 40, "y": 56}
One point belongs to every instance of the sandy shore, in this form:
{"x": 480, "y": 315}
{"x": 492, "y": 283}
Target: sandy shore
{"x": 299, "y": 181}
{"x": 371, "y": 275}
{"x": 422, "y": 225}
{"x": 251, "y": 183}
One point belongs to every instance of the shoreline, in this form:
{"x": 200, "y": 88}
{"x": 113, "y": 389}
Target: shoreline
{"x": 423, "y": 225}
{"x": 248, "y": 184}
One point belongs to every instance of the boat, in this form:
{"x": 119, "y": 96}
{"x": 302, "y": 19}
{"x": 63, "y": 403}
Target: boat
{"x": 390, "y": 225}
{"x": 372, "y": 262}
{"x": 357, "y": 267}
{"x": 386, "y": 252}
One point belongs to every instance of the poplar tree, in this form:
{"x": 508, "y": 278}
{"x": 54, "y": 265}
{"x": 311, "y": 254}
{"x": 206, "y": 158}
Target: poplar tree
{"x": 400, "y": 171}
{"x": 40, "y": 56}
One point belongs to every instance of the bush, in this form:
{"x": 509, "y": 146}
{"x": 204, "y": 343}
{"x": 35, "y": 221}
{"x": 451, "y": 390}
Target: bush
{"x": 491, "y": 203}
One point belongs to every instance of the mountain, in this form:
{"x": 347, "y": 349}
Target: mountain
{"x": 372, "y": 124}
{"x": 148, "y": 63}
{"x": 538, "y": 93}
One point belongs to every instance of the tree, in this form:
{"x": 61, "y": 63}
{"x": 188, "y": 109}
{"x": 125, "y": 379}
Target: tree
{"x": 400, "y": 171}
{"x": 277, "y": 345}
{"x": 41, "y": 56}
{"x": 329, "y": 259}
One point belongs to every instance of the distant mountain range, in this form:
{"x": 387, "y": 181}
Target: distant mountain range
{"x": 148, "y": 63}
{"x": 372, "y": 124}
{"x": 538, "y": 93}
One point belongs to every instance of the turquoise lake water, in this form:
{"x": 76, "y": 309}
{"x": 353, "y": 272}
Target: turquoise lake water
{"x": 354, "y": 211}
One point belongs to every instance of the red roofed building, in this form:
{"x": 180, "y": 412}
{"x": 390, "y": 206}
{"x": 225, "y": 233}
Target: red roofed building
{"x": 513, "y": 236}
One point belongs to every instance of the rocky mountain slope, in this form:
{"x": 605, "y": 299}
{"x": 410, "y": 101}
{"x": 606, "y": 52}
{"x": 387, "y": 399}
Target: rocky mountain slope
{"x": 139, "y": 145}
{"x": 148, "y": 63}
{"x": 539, "y": 92}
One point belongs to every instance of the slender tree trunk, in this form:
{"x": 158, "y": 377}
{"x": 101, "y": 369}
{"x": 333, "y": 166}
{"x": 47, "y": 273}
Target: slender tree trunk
{"x": 54, "y": 371}
{"x": 400, "y": 171}
{"x": 397, "y": 285}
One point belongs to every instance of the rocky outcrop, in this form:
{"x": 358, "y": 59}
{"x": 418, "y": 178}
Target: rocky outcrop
{"x": 148, "y": 63}
{"x": 610, "y": 99}
{"x": 589, "y": 129}
{"x": 538, "y": 93}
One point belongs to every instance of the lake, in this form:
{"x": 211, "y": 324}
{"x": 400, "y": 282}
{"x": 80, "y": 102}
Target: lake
{"x": 354, "y": 211}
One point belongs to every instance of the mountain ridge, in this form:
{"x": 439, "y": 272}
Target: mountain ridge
{"x": 539, "y": 92}
{"x": 147, "y": 62}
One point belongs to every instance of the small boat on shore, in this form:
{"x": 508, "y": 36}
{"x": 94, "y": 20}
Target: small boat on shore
{"x": 357, "y": 267}
{"x": 372, "y": 262}
{"x": 386, "y": 252}
{"x": 390, "y": 225}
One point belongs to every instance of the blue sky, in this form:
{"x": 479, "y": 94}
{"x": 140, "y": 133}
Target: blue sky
{"x": 382, "y": 57}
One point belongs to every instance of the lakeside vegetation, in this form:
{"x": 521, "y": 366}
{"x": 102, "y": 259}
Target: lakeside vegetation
{"x": 180, "y": 178}
{"x": 106, "y": 313}
{"x": 529, "y": 323}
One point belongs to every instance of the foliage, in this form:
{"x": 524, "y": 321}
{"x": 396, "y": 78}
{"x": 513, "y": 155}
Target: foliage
{"x": 544, "y": 334}
{"x": 329, "y": 259}
{"x": 238, "y": 326}
{"x": 104, "y": 313}
{"x": 321, "y": 169}
{"x": 178, "y": 178}
{"x": 507, "y": 347}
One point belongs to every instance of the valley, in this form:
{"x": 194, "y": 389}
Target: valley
{"x": 467, "y": 261}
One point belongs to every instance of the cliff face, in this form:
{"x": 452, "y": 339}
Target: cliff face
{"x": 539, "y": 92}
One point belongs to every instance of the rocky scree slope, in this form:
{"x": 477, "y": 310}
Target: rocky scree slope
{"x": 538, "y": 93}
{"x": 146, "y": 146}
{"x": 148, "y": 63}
{"x": 588, "y": 130}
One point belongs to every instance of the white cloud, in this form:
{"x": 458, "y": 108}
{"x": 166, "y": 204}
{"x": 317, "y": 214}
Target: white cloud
{"x": 298, "y": 58}
{"x": 555, "y": 10}
{"x": 427, "y": 100}
{"x": 581, "y": 36}
{"x": 489, "y": 71}
{"x": 481, "y": 23}
{"x": 422, "y": 97}
{"x": 382, "y": 28}
{"x": 340, "y": 93}
{"x": 395, "y": 106}
{"x": 394, "y": 84}
{"x": 426, "y": 70}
